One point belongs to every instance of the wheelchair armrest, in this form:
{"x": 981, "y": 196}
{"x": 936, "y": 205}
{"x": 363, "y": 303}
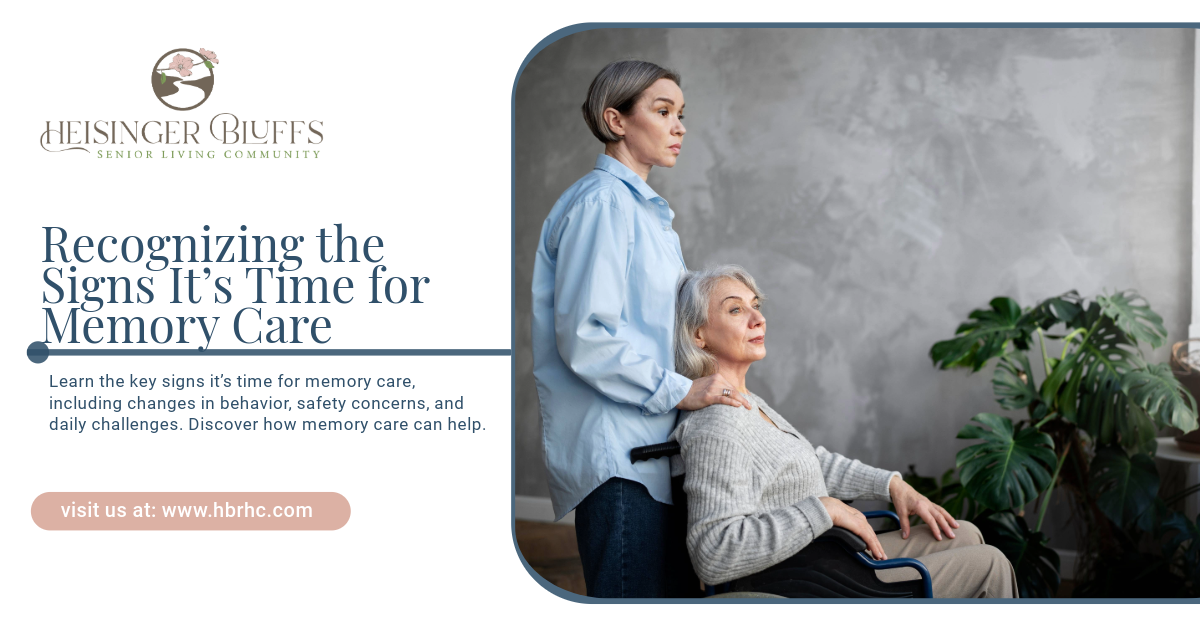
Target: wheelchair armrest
{"x": 852, "y": 540}
{"x": 884, "y": 514}
{"x": 823, "y": 559}
{"x": 859, "y": 546}
{"x": 892, "y": 563}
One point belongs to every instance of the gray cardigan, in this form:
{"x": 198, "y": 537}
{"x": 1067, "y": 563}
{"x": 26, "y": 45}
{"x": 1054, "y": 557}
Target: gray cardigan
{"x": 753, "y": 488}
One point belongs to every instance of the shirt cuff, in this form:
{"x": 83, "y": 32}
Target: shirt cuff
{"x": 882, "y": 482}
{"x": 673, "y": 388}
{"x": 818, "y": 518}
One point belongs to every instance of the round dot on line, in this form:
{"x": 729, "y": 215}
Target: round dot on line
{"x": 37, "y": 352}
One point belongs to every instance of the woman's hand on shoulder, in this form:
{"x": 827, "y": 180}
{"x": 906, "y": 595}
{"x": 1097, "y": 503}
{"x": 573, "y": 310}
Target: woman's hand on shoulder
{"x": 909, "y": 502}
{"x": 710, "y": 390}
{"x": 844, "y": 516}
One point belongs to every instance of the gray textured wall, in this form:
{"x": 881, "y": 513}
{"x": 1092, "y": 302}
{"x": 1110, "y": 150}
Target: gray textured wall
{"x": 880, "y": 184}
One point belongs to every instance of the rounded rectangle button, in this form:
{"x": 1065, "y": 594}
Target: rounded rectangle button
{"x": 190, "y": 511}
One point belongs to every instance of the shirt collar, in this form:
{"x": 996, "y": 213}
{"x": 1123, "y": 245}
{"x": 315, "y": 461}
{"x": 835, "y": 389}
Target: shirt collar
{"x": 622, "y": 172}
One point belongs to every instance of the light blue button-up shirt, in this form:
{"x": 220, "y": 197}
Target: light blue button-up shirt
{"x": 603, "y": 323}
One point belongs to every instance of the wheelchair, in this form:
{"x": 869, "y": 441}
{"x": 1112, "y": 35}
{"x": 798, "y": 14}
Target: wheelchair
{"x": 834, "y": 565}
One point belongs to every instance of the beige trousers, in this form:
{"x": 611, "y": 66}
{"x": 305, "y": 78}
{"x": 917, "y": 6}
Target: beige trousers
{"x": 960, "y": 567}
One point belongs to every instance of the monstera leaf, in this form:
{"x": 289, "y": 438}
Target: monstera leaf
{"x": 1036, "y": 565}
{"x": 1102, "y": 408}
{"x": 985, "y": 337}
{"x": 1139, "y": 322}
{"x": 1153, "y": 516}
{"x": 1086, "y": 384}
{"x": 1156, "y": 391}
{"x": 1187, "y": 536}
{"x": 1012, "y": 382}
{"x": 1064, "y": 308}
{"x": 1138, "y": 432}
{"x": 1004, "y": 471}
{"x": 1123, "y": 486}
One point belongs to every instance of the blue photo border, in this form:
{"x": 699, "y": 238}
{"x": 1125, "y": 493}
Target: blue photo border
{"x": 587, "y": 26}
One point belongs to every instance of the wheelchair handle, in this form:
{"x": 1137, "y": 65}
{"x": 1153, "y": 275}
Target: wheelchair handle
{"x": 650, "y": 452}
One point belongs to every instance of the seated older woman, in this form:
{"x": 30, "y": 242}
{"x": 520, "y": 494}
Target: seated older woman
{"x": 758, "y": 492}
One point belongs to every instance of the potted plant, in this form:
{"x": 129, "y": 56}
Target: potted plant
{"x": 1089, "y": 428}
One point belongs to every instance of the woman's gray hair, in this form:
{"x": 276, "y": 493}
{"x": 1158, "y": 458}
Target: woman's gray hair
{"x": 618, "y": 86}
{"x": 691, "y": 313}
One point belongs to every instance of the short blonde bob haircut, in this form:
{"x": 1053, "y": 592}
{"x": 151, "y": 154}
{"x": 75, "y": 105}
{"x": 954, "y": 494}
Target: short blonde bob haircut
{"x": 691, "y": 313}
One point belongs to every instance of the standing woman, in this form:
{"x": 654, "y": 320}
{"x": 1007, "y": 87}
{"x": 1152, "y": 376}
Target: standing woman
{"x": 603, "y": 319}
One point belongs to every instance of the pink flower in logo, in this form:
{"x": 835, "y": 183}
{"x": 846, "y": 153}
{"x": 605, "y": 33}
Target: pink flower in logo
{"x": 210, "y": 55}
{"x": 182, "y": 64}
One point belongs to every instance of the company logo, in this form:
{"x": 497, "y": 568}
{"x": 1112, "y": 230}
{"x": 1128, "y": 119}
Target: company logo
{"x": 183, "y": 78}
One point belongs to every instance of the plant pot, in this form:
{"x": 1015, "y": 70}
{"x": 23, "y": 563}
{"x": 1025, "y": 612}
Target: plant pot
{"x": 1190, "y": 441}
{"x": 1187, "y": 370}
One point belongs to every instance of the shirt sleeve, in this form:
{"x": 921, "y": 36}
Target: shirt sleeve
{"x": 589, "y": 293}
{"x": 846, "y": 478}
{"x": 726, "y": 539}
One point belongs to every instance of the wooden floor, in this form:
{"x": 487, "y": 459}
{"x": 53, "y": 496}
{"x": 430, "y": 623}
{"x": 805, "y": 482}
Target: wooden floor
{"x": 551, "y": 550}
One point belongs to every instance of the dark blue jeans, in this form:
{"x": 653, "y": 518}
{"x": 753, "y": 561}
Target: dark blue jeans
{"x": 632, "y": 545}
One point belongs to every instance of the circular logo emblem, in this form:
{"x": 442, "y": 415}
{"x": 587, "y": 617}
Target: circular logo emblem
{"x": 183, "y": 78}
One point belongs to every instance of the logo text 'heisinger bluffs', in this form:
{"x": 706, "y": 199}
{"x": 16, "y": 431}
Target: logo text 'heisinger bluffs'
{"x": 183, "y": 79}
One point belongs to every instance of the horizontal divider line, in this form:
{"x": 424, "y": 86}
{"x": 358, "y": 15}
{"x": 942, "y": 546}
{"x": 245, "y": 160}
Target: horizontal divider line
{"x": 269, "y": 352}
